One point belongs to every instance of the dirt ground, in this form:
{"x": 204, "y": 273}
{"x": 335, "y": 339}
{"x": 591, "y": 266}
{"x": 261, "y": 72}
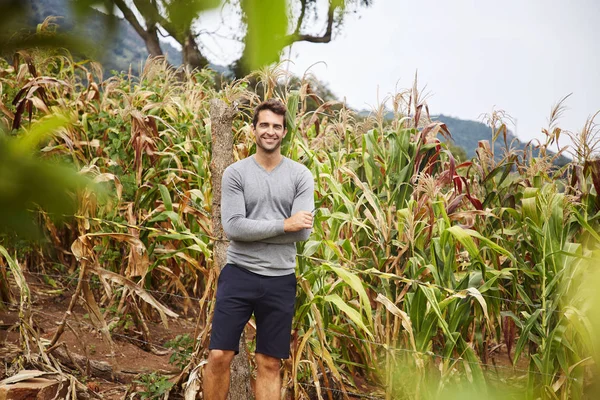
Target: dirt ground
{"x": 82, "y": 339}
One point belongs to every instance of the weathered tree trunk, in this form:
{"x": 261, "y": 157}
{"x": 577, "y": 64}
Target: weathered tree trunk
{"x": 221, "y": 117}
{"x": 193, "y": 58}
{"x": 149, "y": 33}
{"x": 152, "y": 42}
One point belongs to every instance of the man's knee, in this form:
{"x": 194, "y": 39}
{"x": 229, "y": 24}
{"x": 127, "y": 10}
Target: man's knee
{"x": 268, "y": 364}
{"x": 220, "y": 359}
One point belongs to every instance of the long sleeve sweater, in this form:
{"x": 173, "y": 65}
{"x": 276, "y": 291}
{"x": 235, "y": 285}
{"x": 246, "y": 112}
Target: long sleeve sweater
{"x": 254, "y": 204}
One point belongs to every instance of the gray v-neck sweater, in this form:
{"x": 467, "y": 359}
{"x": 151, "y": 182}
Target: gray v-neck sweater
{"x": 254, "y": 204}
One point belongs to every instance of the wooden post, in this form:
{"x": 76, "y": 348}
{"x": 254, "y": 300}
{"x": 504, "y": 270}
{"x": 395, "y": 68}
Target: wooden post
{"x": 221, "y": 117}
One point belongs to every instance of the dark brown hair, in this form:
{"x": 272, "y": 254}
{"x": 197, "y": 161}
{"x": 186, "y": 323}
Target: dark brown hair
{"x": 273, "y": 105}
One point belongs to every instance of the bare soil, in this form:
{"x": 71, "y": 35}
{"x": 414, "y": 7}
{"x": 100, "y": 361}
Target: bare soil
{"x": 82, "y": 339}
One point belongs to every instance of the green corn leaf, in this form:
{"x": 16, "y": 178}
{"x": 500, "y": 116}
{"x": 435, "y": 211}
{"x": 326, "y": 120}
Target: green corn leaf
{"x": 466, "y": 240}
{"x": 293, "y": 100}
{"x": 435, "y": 306}
{"x": 356, "y": 284}
{"x": 581, "y": 219}
{"x": 477, "y": 295}
{"x": 492, "y": 245}
{"x": 583, "y": 326}
{"x": 166, "y": 197}
{"x": 530, "y": 210}
{"x": 524, "y": 336}
{"x": 18, "y": 274}
{"x": 310, "y": 248}
{"x": 349, "y": 311}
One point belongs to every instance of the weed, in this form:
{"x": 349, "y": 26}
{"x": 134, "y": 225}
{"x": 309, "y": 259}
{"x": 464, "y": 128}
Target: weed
{"x": 154, "y": 385}
{"x": 183, "y": 347}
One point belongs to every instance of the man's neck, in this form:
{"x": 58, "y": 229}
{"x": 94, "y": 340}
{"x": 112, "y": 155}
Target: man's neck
{"x": 268, "y": 160}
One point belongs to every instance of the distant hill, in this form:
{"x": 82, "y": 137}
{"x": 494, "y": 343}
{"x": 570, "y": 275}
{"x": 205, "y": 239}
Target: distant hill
{"x": 468, "y": 133}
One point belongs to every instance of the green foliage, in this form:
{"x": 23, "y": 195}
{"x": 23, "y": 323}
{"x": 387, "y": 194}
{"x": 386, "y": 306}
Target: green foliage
{"x": 154, "y": 386}
{"x": 183, "y": 12}
{"x": 267, "y": 27}
{"x": 183, "y": 347}
{"x": 28, "y": 181}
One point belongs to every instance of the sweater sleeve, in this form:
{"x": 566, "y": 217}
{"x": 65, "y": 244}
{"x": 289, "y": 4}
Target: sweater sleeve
{"x": 303, "y": 201}
{"x": 233, "y": 213}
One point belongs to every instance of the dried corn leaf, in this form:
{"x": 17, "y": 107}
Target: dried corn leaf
{"x": 133, "y": 287}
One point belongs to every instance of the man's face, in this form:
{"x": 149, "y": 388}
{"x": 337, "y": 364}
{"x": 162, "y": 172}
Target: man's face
{"x": 269, "y": 131}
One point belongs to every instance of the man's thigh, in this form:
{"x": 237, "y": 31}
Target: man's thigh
{"x": 235, "y": 291}
{"x": 274, "y": 311}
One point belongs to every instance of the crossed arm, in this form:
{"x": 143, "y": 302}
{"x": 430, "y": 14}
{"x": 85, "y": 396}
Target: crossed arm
{"x": 239, "y": 228}
{"x": 298, "y": 227}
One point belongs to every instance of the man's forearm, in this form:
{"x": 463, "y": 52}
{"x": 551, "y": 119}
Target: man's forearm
{"x": 249, "y": 230}
{"x": 233, "y": 213}
{"x": 289, "y": 237}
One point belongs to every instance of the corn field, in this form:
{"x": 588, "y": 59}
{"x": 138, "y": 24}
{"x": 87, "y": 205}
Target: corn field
{"x": 424, "y": 277}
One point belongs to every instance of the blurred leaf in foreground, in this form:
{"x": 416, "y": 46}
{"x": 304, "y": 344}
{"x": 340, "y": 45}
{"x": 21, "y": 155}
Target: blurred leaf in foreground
{"x": 267, "y": 26}
{"x": 28, "y": 182}
{"x": 16, "y": 32}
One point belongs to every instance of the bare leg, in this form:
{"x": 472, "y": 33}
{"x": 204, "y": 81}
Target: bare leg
{"x": 268, "y": 377}
{"x": 217, "y": 373}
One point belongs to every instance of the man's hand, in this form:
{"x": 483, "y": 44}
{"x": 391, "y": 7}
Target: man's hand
{"x": 297, "y": 222}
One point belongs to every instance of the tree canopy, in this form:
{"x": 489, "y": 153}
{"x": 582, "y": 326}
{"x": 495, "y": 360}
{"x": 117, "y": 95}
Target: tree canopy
{"x": 267, "y": 26}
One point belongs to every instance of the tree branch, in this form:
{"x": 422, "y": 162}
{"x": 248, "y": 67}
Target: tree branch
{"x": 148, "y": 34}
{"x": 150, "y": 12}
{"x": 325, "y": 38}
{"x": 300, "y": 18}
{"x": 183, "y": 35}
{"x": 130, "y": 17}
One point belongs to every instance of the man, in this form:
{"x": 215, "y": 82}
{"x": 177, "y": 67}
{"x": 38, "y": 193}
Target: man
{"x": 266, "y": 205}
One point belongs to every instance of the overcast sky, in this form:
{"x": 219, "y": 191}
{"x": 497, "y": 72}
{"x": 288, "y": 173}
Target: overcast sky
{"x": 521, "y": 56}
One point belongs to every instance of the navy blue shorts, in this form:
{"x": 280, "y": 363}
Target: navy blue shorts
{"x": 271, "y": 298}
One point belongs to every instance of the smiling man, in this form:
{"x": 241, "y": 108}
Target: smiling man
{"x": 266, "y": 205}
